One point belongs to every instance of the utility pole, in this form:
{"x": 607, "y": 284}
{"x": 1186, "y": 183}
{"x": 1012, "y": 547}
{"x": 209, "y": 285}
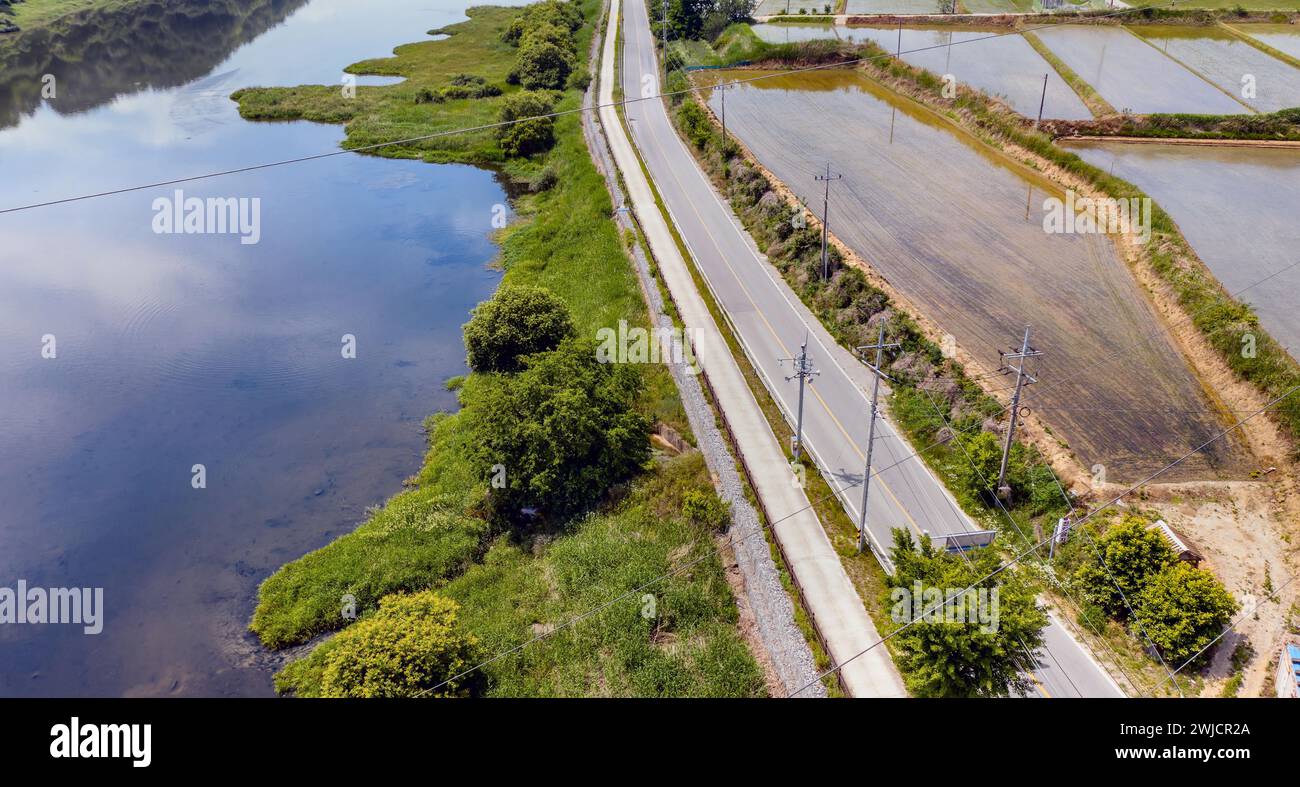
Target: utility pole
{"x": 826, "y": 207}
{"x": 898, "y": 55}
{"x": 803, "y": 369}
{"x": 664, "y": 35}
{"x": 879, "y": 347}
{"x": 1041, "y": 102}
{"x": 1025, "y": 351}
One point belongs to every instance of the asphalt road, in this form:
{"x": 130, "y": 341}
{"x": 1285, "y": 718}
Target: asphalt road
{"x": 772, "y": 322}
{"x": 848, "y": 633}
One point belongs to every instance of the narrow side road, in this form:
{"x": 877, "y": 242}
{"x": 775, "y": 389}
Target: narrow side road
{"x": 829, "y": 596}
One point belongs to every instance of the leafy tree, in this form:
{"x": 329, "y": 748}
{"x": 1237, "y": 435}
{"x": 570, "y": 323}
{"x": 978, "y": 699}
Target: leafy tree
{"x": 549, "y": 33}
{"x": 1133, "y": 555}
{"x": 542, "y": 64}
{"x": 526, "y": 136}
{"x": 567, "y": 15}
{"x": 564, "y": 430}
{"x": 409, "y": 645}
{"x": 943, "y": 655}
{"x": 1183, "y": 609}
{"x": 515, "y": 322}
{"x": 702, "y": 18}
{"x": 977, "y": 477}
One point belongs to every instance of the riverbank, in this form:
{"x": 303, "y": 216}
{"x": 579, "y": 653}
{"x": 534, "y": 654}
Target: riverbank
{"x": 518, "y": 587}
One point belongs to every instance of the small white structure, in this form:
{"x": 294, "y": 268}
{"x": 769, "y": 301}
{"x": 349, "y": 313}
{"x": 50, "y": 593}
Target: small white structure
{"x": 1288, "y": 672}
{"x": 1177, "y": 544}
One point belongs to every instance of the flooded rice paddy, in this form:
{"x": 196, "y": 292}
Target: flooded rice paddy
{"x": 959, "y": 230}
{"x": 1001, "y": 65}
{"x": 1237, "y": 206}
{"x": 1133, "y": 75}
{"x": 1254, "y": 78}
{"x": 1284, "y": 38}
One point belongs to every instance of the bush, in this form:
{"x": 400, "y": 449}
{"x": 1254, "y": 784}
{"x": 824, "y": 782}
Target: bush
{"x": 1183, "y": 609}
{"x": 426, "y": 96}
{"x": 542, "y": 65}
{"x": 578, "y": 80}
{"x": 514, "y": 323}
{"x": 566, "y": 15}
{"x": 564, "y": 430}
{"x": 410, "y": 645}
{"x": 549, "y": 34}
{"x": 1133, "y": 555}
{"x": 705, "y": 509}
{"x": 525, "y": 137}
{"x": 545, "y": 180}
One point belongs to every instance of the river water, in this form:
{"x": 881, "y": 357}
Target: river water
{"x": 176, "y": 350}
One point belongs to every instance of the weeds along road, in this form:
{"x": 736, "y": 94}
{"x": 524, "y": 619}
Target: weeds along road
{"x": 771, "y": 322}
{"x": 828, "y": 595}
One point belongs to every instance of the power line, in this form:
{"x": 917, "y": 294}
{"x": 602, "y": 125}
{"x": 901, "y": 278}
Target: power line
{"x": 998, "y": 500}
{"x": 543, "y": 116}
{"x": 1022, "y": 554}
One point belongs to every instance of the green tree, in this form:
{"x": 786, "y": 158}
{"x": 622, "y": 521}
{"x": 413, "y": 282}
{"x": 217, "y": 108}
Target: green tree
{"x": 1183, "y": 609}
{"x": 542, "y": 64}
{"x": 561, "y": 14}
{"x": 549, "y": 33}
{"x": 513, "y": 323}
{"x": 983, "y": 653}
{"x": 978, "y": 476}
{"x": 411, "y": 644}
{"x": 522, "y": 137}
{"x": 560, "y": 433}
{"x": 1132, "y": 554}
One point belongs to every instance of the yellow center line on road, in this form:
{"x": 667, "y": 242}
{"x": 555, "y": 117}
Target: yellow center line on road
{"x": 776, "y": 337}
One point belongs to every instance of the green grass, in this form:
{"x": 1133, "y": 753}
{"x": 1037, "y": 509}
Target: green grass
{"x": 430, "y": 535}
{"x": 381, "y": 114}
{"x": 36, "y": 13}
{"x": 687, "y": 647}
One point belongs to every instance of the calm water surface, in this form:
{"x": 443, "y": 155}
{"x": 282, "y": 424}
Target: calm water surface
{"x": 183, "y": 349}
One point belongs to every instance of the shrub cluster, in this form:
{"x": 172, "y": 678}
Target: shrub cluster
{"x": 1131, "y": 575}
{"x": 555, "y": 428}
{"x": 412, "y": 645}
{"x": 462, "y": 86}
{"x": 548, "y": 52}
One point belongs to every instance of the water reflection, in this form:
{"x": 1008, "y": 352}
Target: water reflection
{"x": 98, "y": 55}
{"x": 182, "y": 349}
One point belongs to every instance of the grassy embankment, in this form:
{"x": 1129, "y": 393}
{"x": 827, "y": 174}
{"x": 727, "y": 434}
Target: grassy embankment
{"x": 432, "y": 535}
